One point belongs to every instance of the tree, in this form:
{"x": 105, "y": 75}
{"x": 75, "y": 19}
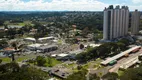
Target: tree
{"x": 49, "y": 61}
{"x": 93, "y": 77}
{"x": 12, "y": 71}
{"x": 40, "y": 60}
{"x": 13, "y": 57}
{"x": 98, "y": 36}
{"x": 82, "y": 57}
{"x": 1, "y": 22}
{"x": 10, "y": 33}
{"x": 121, "y": 46}
{"x": 80, "y": 75}
{"x": 110, "y": 76}
{"x": 140, "y": 58}
{"x": 79, "y": 67}
{"x": 15, "y": 45}
{"x": 132, "y": 74}
{"x": 5, "y": 26}
{"x": 103, "y": 50}
{"x": 3, "y": 43}
{"x": 125, "y": 41}
{"x": 32, "y": 61}
{"x": 9, "y": 67}
{"x": 81, "y": 46}
{"x": 37, "y": 36}
{"x": 0, "y": 60}
{"x": 85, "y": 31}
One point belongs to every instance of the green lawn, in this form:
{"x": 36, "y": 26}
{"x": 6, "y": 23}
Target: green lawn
{"x": 6, "y": 59}
{"x": 21, "y": 58}
{"x": 120, "y": 72}
{"x": 50, "y": 62}
{"x": 18, "y": 59}
{"x": 69, "y": 65}
{"x": 21, "y": 24}
{"x": 86, "y": 66}
{"x": 59, "y": 41}
{"x": 93, "y": 64}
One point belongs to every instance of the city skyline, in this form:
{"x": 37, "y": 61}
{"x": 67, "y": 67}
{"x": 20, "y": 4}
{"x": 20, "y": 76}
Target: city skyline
{"x": 116, "y": 21}
{"x": 66, "y": 5}
{"x": 135, "y": 22}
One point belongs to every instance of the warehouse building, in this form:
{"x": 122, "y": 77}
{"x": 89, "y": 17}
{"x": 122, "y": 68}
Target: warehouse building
{"x": 107, "y": 61}
{"x": 29, "y": 39}
{"x": 33, "y": 47}
{"x": 47, "y": 48}
{"x": 46, "y": 39}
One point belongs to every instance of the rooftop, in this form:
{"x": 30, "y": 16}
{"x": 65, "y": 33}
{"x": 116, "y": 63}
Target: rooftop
{"x": 60, "y": 73}
{"x": 76, "y": 51}
{"x": 129, "y": 63}
{"x": 117, "y": 7}
{"x": 119, "y": 55}
{"x": 29, "y": 38}
{"x": 9, "y": 49}
{"x": 35, "y": 45}
{"x": 51, "y": 37}
{"x": 62, "y": 55}
{"x": 47, "y": 46}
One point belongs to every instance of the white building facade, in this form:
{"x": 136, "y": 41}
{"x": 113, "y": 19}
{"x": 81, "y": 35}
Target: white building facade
{"x": 135, "y": 22}
{"x": 116, "y": 22}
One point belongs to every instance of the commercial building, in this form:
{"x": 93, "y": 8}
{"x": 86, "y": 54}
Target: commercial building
{"x": 135, "y": 22}
{"x": 46, "y": 39}
{"x": 116, "y": 21}
{"x": 67, "y": 55}
{"x": 47, "y": 48}
{"x": 29, "y": 39}
{"x": 59, "y": 73}
{"x": 120, "y": 55}
{"x": 33, "y": 47}
{"x": 129, "y": 63}
{"x": 92, "y": 45}
{"x": 42, "y": 47}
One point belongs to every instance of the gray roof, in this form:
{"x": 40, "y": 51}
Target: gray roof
{"x": 119, "y": 55}
{"x": 47, "y": 46}
{"x": 60, "y": 73}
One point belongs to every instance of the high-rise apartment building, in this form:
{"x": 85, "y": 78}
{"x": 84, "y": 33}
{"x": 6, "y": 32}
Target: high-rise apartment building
{"x": 116, "y": 22}
{"x": 135, "y": 22}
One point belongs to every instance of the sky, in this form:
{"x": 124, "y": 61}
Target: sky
{"x": 66, "y": 5}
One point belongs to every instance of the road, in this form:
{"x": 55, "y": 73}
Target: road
{"x": 124, "y": 60}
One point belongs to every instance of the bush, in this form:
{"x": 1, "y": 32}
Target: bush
{"x": 40, "y": 60}
{"x": 0, "y": 60}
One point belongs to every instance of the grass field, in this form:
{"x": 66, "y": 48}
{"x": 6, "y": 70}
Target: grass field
{"x": 50, "y": 62}
{"x": 21, "y": 58}
{"x": 19, "y": 24}
{"x": 6, "y": 59}
{"x": 69, "y": 65}
{"x": 120, "y": 72}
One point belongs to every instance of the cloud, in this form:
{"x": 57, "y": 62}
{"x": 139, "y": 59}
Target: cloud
{"x": 54, "y": 5}
{"x": 137, "y": 1}
{"x": 132, "y": 8}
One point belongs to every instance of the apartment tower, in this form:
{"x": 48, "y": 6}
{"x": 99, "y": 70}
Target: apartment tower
{"x": 135, "y": 22}
{"x": 116, "y": 22}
